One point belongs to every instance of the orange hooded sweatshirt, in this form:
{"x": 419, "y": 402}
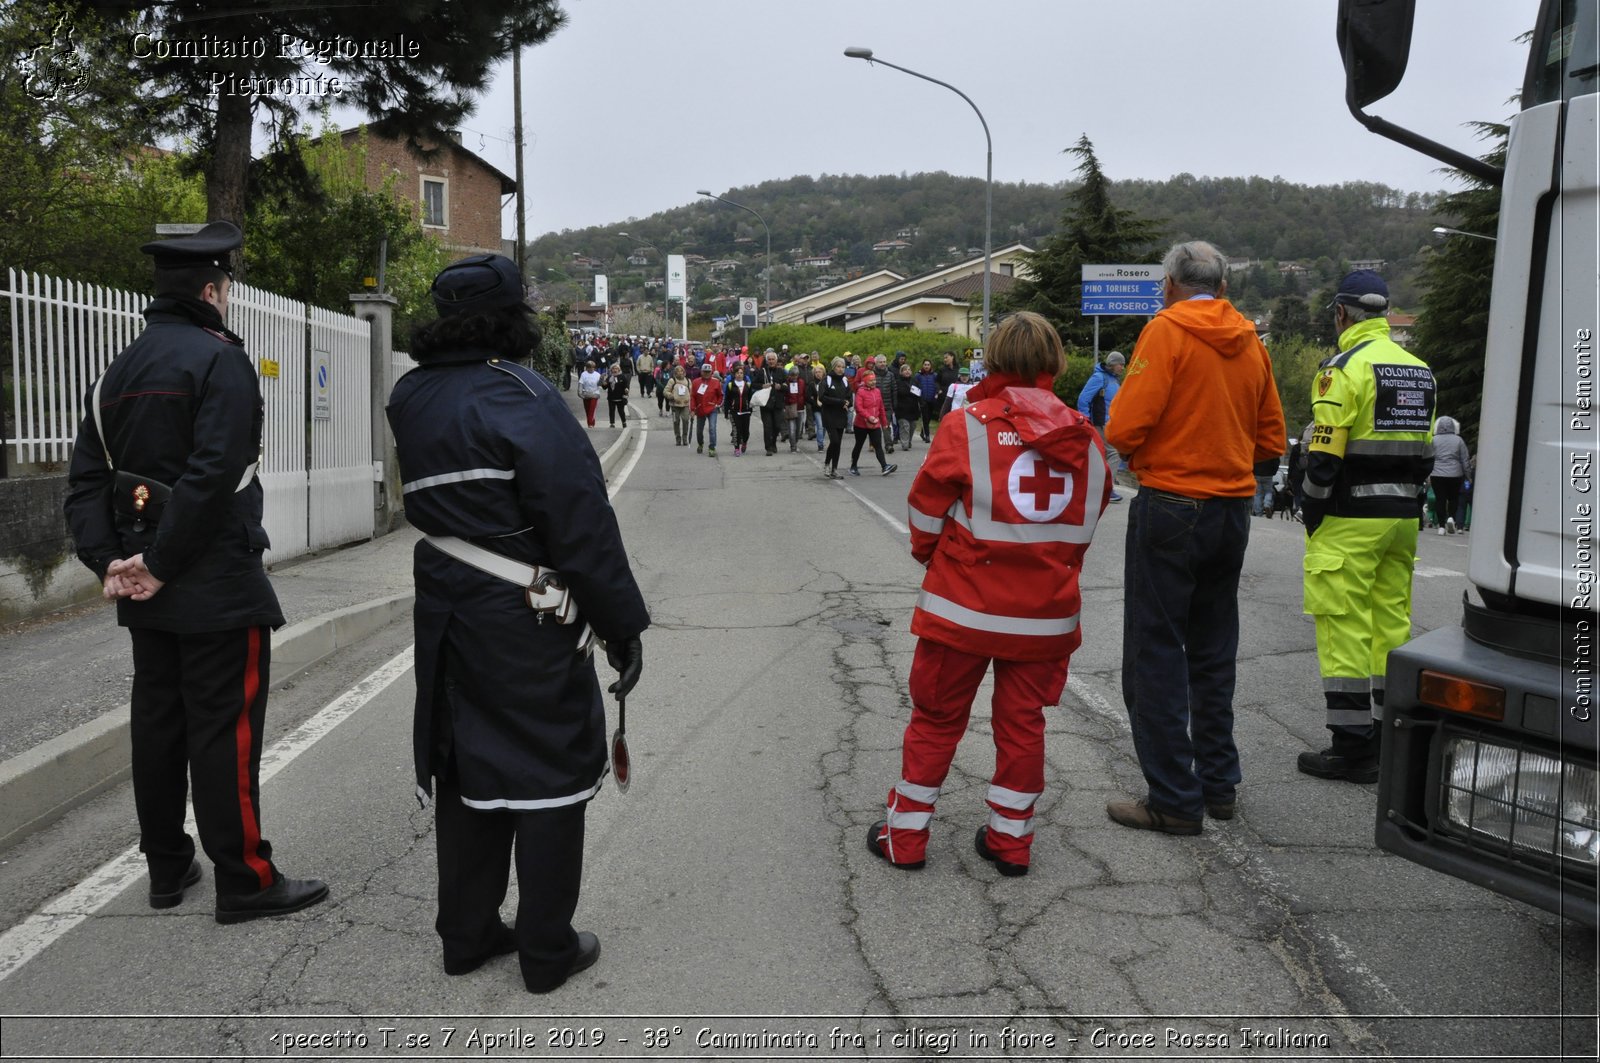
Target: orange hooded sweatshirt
{"x": 1198, "y": 406}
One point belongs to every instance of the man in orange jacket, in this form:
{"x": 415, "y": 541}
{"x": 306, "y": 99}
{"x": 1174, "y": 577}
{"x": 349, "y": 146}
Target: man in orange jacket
{"x": 1001, "y": 513}
{"x": 1198, "y": 407}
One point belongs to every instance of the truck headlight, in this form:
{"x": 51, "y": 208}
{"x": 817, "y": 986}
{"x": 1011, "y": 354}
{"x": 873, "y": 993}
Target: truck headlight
{"x": 1527, "y": 801}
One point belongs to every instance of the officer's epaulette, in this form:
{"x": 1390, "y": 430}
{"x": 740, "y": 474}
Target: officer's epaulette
{"x": 1338, "y": 361}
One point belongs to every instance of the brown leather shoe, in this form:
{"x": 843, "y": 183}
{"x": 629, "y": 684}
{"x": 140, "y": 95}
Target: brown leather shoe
{"x": 1140, "y": 816}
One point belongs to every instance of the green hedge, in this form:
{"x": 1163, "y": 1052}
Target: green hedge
{"x": 831, "y": 343}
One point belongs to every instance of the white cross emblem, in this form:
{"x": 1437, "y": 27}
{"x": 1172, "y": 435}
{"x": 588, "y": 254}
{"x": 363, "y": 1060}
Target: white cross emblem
{"x": 1038, "y": 491}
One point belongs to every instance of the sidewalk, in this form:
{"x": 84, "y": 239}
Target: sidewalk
{"x": 64, "y": 736}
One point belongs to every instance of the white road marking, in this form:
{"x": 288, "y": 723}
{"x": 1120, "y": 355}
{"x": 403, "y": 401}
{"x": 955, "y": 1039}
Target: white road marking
{"x": 638, "y": 452}
{"x": 869, "y": 503}
{"x": 41, "y": 929}
{"x": 1429, "y": 572}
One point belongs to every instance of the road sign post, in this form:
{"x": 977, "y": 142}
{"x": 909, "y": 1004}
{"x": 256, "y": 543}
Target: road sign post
{"x": 1115, "y": 290}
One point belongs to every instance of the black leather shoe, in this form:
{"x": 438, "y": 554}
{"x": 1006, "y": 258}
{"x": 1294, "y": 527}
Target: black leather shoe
{"x": 168, "y": 896}
{"x": 1220, "y": 809}
{"x": 1005, "y": 867}
{"x": 504, "y": 943}
{"x": 282, "y": 897}
{"x": 1359, "y": 768}
{"x": 877, "y": 831}
{"x": 588, "y": 955}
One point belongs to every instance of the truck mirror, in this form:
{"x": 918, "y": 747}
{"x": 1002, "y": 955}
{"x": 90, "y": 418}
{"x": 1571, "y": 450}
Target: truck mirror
{"x": 1375, "y": 42}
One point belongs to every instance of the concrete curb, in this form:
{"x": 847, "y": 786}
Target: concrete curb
{"x": 617, "y": 452}
{"x": 43, "y": 784}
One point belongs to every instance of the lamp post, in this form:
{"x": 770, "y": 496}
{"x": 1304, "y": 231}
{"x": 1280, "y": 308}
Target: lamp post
{"x": 988, "y": 179}
{"x": 1445, "y": 230}
{"x": 577, "y": 290}
{"x": 664, "y": 299}
{"x": 763, "y": 221}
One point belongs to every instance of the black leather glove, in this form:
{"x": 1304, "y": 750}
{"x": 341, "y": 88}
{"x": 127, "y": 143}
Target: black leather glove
{"x": 1312, "y": 513}
{"x": 628, "y": 659}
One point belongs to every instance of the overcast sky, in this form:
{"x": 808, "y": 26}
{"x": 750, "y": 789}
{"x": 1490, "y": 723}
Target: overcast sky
{"x": 638, "y": 103}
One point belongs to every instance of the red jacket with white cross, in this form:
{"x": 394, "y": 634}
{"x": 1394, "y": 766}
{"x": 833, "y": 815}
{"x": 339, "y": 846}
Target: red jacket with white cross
{"x": 1001, "y": 513}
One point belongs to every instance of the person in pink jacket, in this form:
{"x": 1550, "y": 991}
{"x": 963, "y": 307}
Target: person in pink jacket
{"x": 870, "y": 421}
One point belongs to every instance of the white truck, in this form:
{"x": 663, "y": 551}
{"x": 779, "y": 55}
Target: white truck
{"x": 1488, "y": 763}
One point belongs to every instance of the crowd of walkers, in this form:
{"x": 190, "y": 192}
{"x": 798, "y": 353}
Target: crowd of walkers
{"x": 790, "y": 399}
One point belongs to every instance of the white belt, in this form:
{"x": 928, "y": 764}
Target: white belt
{"x": 542, "y": 587}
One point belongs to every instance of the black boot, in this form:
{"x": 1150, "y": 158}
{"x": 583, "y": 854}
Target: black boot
{"x": 1353, "y": 756}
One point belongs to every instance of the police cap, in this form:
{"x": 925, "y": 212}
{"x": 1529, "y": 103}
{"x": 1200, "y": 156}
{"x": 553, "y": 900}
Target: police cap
{"x": 211, "y": 246}
{"x": 477, "y": 283}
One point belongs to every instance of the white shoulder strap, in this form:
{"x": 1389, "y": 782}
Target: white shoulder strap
{"x": 99, "y": 425}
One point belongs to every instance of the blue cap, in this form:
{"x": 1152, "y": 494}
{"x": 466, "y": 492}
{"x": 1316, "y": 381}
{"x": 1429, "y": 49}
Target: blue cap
{"x": 1363, "y": 288}
{"x": 477, "y": 283}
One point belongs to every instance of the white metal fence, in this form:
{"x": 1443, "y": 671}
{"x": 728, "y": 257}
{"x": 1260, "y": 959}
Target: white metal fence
{"x": 316, "y": 467}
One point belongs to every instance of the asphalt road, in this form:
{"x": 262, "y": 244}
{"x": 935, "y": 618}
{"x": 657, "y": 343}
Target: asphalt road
{"x": 740, "y": 913}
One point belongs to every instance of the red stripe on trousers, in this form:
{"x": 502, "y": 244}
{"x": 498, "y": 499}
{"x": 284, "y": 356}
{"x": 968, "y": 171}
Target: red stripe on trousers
{"x": 243, "y": 740}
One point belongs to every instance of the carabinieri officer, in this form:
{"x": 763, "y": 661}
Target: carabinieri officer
{"x": 165, "y": 507}
{"x": 522, "y": 559}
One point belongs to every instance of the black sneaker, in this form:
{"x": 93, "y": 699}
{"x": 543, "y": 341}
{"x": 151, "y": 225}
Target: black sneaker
{"x": 1005, "y": 867}
{"x": 875, "y": 834}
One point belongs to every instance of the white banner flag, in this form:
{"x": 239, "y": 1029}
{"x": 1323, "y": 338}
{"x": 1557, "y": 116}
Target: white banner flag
{"x": 677, "y": 277}
{"x": 601, "y": 294}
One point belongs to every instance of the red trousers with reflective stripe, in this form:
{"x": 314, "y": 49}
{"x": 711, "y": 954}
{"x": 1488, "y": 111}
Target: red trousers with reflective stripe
{"x": 944, "y": 682}
{"x": 198, "y": 705}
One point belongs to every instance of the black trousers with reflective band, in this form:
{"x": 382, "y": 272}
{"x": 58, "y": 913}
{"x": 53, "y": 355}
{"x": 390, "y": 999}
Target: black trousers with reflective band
{"x": 475, "y": 849}
{"x": 198, "y": 705}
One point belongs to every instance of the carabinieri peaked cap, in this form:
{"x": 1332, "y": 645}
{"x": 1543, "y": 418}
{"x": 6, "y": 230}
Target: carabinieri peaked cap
{"x": 211, "y": 246}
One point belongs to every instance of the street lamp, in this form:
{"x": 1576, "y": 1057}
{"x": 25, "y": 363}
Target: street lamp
{"x": 1445, "y": 230}
{"x": 763, "y": 221}
{"x": 988, "y": 180}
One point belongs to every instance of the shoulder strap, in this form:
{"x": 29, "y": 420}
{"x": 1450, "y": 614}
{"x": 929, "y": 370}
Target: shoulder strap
{"x": 99, "y": 425}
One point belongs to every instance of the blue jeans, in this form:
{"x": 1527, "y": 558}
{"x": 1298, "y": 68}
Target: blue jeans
{"x": 700, "y": 428}
{"x": 816, "y": 420}
{"x": 1180, "y": 644}
{"x": 1263, "y": 500}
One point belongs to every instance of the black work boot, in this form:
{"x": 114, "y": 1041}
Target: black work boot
{"x": 1353, "y": 756}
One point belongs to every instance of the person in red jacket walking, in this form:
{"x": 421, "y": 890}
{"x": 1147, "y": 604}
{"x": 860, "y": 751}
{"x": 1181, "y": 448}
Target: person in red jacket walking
{"x": 871, "y": 418}
{"x": 1001, "y": 514}
{"x": 705, "y": 400}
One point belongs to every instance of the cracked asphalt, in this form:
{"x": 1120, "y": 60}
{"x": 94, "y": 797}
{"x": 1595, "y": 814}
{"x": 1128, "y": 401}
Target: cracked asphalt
{"x": 739, "y": 910}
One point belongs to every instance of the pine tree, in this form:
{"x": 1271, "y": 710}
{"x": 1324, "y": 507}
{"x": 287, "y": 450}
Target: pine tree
{"x": 1092, "y": 230}
{"x": 1451, "y": 333}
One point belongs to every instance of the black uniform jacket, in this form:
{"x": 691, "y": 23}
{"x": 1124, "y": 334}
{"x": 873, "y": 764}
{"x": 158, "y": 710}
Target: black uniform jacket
{"x": 181, "y": 406}
{"x": 489, "y": 452}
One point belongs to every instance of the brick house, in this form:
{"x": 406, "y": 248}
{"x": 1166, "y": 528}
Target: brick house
{"x": 457, "y": 193}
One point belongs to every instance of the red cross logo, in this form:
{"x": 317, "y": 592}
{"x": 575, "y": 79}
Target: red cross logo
{"x": 1037, "y": 491}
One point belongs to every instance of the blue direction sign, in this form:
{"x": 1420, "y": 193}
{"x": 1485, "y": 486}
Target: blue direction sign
{"x": 1122, "y": 289}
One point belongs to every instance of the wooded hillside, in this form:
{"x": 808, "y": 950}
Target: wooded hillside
{"x": 940, "y": 217}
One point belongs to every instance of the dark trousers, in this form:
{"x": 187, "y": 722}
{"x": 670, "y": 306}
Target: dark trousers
{"x": 771, "y": 420}
{"x": 863, "y": 435}
{"x": 835, "y": 443}
{"x": 741, "y": 429}
{"x": 475, "y": 850}
{"x": 198, "y": 706}
{"x": 1180, "y": 643}
{"x": 1447, "y": 498}
{"x": 619, "y": 408}
{"x": 930, "y": 413}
